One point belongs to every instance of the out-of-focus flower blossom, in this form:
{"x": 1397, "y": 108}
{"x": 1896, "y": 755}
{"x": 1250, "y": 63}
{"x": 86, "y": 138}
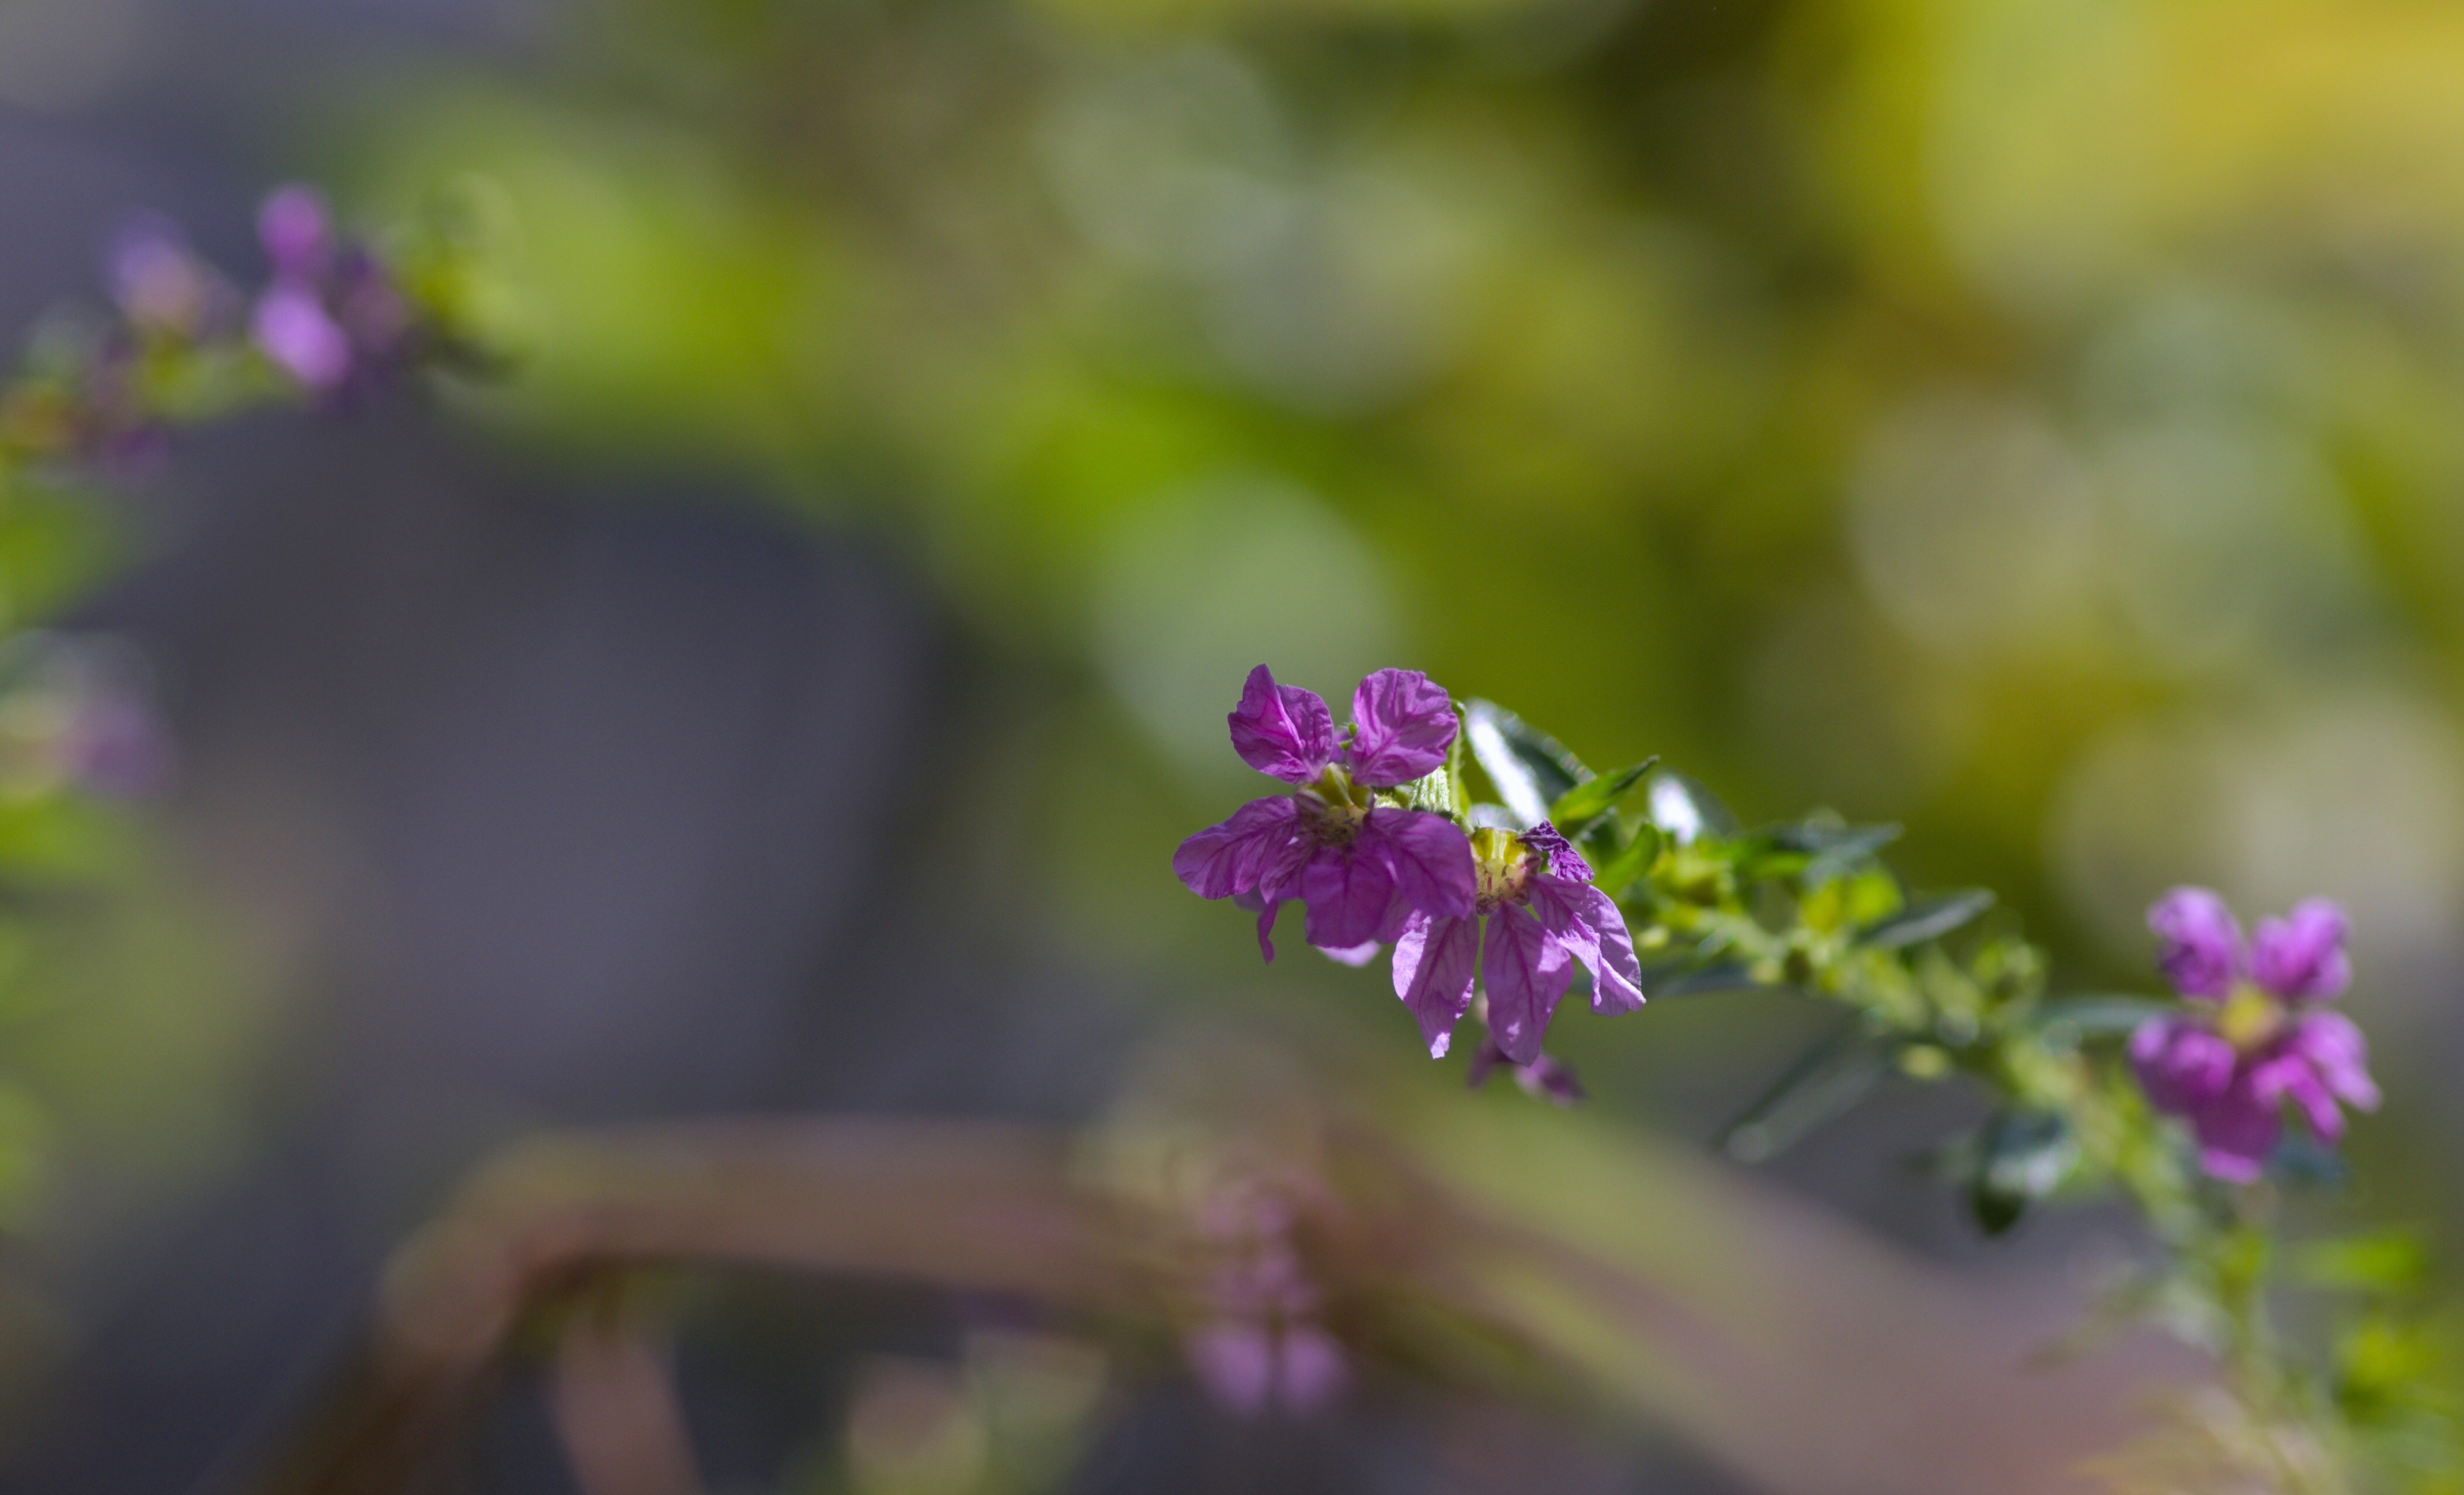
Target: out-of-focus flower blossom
{"x": 73, "y": 713}
{"x": 1544, "y": 1079}
{"x": 1360, "y": 868}
{"x": 1535, "y": 914}
{"x": 333, "y": 317}
{"x": 2254, "y": 1038}
{"x": 158, "y": 281}
{"x": 296, "y": 231}
{"x": 1261, "y": 1347}
{"x": 117, "y": 746}
{"x": 293, "y": 328}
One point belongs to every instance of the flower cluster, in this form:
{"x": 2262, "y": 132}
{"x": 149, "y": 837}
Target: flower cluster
{"x": 1508, "y": 911}
{"x": 1360, "y": 868}
{"x": 2255, "y": 1035}
{"x": 333, "y": 317}
{"x": 1262, "y": 1346}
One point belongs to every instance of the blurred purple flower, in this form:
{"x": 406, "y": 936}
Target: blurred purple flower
{"x": 75, "y": 712}
{"x": 1262, "y": 1346}
{"x": 293, "y": 328}
{"x": 117, "y": 747}
{"x": 1544, "y": 1079}
{"x": 1360, "y": 868}
{"x": 333, "y": 317}
{"x": 296, "y": 231}
{"x": 158, "y": 281}
{"x": 2251, "y": 1040}
{"x": 1535, "y": 914}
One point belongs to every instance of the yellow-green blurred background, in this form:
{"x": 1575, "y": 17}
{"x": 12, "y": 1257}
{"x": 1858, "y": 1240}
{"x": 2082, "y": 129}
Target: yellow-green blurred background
{"x": 2036, "y": 422}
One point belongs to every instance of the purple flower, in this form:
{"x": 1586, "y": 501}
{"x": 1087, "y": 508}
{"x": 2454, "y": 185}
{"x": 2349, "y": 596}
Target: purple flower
{"x": 293, "y": 328}
{"x": 296, "y": 231}
{"x": 158, "y": 282}
{"x": 333, "y": 317}
{"x": 1544, "y": 1079}
{"x": 1534, "y": 915}
{"x": 2252, "y": 1039}
{"x": 1359, "y": 868}
{"x": 118, "y": 747}
{"x": 1262, "y": 1346}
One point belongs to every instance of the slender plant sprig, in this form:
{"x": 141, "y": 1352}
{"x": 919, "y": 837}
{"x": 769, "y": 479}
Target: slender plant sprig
{"x": 1490, "y": 905}
{"x": 1941, "y": 987}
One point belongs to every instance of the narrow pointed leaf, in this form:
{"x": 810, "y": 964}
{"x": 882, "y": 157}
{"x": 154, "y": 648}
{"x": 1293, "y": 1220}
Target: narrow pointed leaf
{"x": 1530, "y": 769}
{"x": 1821, "y": 1085}
{"x": 1680, "y": 981}
{"x": 2098, "y": 1017}
{"x": 1578, "y": 807}
{"x": 2022, "y": 1155}
{"x": 1814, "y": 838}
{"x": 2301, "y": 1157}
{"x": 1929, "y": 918}
{"x": 1615, "y": 874}
{"x": 1687, "y": 810}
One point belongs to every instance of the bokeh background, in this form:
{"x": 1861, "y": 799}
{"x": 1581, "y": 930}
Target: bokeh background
{"x": 2035, "y": 422}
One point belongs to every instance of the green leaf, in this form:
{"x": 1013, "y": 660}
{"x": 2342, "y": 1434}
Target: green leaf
{"x": 2098, "y": 1017}
{"x": 1577, "y": 807}
{"x": 1839, "y": 850}
{"x": 1821, "y": 1085}
{"x": 2302, "y": 1158}
{"x": 1431, "y": 791}
{"x": 1615, "y": 876}
{"x": 1815, "y": 838}
{"x": 2393, "y": 1261}
{"x": 1530, "y": 769}
{"x": 1685, "y": 809}
{"x": 1929, "y": 918}
{"x": 2022, "y": 1155}
{"x": 1675, "y": 979}
{"x": 1455, "y": 780}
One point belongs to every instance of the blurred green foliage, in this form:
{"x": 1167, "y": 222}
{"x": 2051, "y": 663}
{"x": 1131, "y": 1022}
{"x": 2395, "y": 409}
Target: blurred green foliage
{"x": 2028, "y": 421}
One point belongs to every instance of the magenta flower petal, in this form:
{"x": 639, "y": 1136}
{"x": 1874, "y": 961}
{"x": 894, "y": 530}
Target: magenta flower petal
{"x": 1236, "y": 1363}
{"x": 1310, "y": 1371}
{"x": 2334, "y": 1047}
{"x": 292, "y": 328}
{"x": 2237, "y": 1132}
{"x": 2301, "y": 957}
{"x": 2287, "y": 1075}
{"x": 1359, "y": 954}
{"x": 293, "y": 227}
{"x": 1527, "y": 971}
{"x": 2181, "y": 1065}
{"x": 1429, "y": 857}
{"x": 1348, "y": 891}
{"x": 1232, "y": 857}
{"x": 2201, "y": 953}
{"x": 1402, "y": 723}
{"x": 1562, "y": 860}
{"x": 1266, "y": 910}
{"x": 1282, "y": 730}
{"x": 1435, "y": 959}
{"x": 1589, "y": 925}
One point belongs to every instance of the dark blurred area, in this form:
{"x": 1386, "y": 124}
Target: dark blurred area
{"x": 2032, "y": 422}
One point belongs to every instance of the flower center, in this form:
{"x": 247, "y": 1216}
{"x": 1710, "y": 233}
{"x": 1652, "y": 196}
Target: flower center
{"x": 1334, "y": 806}
{"x": 2250, "y": 1017}
{"x": 1500, "y": 867}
